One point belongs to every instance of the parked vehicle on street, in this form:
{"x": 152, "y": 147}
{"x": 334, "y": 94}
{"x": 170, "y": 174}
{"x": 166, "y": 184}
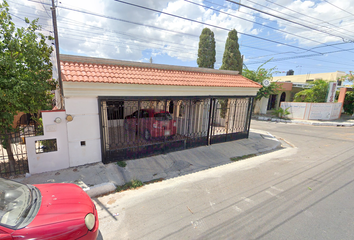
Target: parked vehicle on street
{"x": 46, "y": 211}
{"x": 151, "y": 123}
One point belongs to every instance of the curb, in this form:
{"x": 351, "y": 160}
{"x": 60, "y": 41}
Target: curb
{"x": 100, "y": 189}
{"x": 344, "y": 124}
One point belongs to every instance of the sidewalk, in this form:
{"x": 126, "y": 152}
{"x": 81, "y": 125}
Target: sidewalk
{"x": 343, "y": 121}
{"x": 99, "y": 178}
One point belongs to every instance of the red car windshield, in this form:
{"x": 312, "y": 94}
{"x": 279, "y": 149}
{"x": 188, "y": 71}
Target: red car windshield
{"x": 14, "y": 200}
{"x": 163, "y": 116}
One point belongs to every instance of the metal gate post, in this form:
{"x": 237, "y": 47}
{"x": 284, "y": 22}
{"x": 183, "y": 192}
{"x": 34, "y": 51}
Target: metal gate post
{"x": 138, "y": 134}
{"x": 233, "y": 122}
{"x": 164, "y": 137}
{"x": 189, "y": 118}
{"x": 102, "y": 130}
{"x": 209, "y": 121}
{"x": 212, "y": 119}
{"x": 250, "y": 109}
{"x": 228, "y": 117}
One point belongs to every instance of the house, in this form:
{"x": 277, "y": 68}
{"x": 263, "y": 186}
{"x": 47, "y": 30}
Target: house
{"x": 106, "y": 101}
{"x": 292, "y": 84}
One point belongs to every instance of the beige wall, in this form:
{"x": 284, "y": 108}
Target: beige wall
{"x": 332, "y": 76}
{"x": 81, "y": 89}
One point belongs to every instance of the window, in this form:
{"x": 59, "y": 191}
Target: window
{"x": 115, "y": 110}
{"x": 162, "y": 116}
{"x": 48, "y": 145}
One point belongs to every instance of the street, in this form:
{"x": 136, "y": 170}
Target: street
{"x": 302, "y": 191}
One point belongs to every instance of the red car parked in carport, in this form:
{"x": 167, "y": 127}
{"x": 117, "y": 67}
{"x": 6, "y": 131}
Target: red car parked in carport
{"x": 152, "y": 123}
{"x": 46, "y": 211}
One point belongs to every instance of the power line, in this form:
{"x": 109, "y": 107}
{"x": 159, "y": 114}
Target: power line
{"x": 317, "y": 19}
{"x": 315, "y": 25}
{"x": 318, "y": 53}
{"x": 284, "y": 19}
{"x": 303, "y": 56}
{"x": 257, "y": 23}
{"x": 22, "y": 19}
{"x": 113, "y": 18}
{"x": 190, "y": 35}
{"x": 173, "y": 15}
{"x": 163, "y": 29}
{"x": 338, "y": 7}
{"x": 276, "y": 29}
{"x": 133, "y": 37}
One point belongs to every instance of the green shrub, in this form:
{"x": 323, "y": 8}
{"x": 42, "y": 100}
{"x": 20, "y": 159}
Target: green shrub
{"x": 316, "y": 94}
{"x": 121, "y": 164}
{"x": 281, "y": 112}
{"x": 348, "y": 105}
{"x": 130, "y": 185}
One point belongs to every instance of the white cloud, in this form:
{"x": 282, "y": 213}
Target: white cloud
{"x": 90, "y": 35}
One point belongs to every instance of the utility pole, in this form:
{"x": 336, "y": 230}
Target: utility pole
{"x": 54, "y": 15}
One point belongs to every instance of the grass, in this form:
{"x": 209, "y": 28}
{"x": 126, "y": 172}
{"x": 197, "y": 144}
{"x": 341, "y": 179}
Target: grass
{"x": 136, "y": 184}
{"x": 130, "y": 185}
{"x": 121, "y": 164}
{"x": 235, "y": 159}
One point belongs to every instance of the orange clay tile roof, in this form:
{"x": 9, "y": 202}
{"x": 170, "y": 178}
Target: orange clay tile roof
{"x": 107, "y": 73}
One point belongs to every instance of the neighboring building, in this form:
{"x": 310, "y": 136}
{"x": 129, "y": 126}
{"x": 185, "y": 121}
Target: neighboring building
{"x": 107, "y": 103}
{"x": 292, "y": 84}
{"x": 308, "y": 78}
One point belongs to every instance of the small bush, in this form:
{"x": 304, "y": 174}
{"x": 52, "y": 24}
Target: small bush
{"x": 130, "y": 185}
{"x": 121, "y": 164}
{"x": 348, "y": 105}
{"x": 281, "y": 112}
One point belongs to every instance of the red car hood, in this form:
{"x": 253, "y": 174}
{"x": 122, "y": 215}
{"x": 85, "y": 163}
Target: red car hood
{"x": 61, "y": 202}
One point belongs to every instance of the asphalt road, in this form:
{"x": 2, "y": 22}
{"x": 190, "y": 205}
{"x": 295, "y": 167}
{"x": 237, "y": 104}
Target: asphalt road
{"x": 303, "y": 191}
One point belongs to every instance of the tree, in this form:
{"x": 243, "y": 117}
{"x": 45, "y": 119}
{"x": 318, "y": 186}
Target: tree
{"x": 349, "y": 77}
{"x": 206, "y": 51}
{"x": 259, "y": 76}
{"x": 25, "y": 73}
{"x": 232, "y": 59}
{"x": 316, "y": 94}
{"x": 348, "y": 105}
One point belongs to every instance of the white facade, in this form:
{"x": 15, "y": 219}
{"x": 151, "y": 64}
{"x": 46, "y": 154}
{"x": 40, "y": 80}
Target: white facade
{"x": 83, "y": 131}
{"x": 38, "y": 161}
{"x": 79, "y": 136}
{"x": 313, "y": 111}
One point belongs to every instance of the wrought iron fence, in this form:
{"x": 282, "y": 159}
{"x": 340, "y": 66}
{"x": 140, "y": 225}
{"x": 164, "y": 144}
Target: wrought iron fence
{"x": 140, "y": 127}
{"x": 13, "y": 152}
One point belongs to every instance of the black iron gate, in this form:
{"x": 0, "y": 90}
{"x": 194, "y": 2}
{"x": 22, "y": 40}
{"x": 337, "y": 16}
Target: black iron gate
{"x": 13, "y": 152}
{"x": 135, "y": 127}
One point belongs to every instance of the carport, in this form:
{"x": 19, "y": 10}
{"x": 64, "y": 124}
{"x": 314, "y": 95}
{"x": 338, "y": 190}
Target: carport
{"x": 147, "y": 109}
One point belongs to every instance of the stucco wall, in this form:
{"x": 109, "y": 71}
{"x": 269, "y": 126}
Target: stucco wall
{"x": 332, "y": 76}
{"x": 84, "y": 128}
{"x": 313, "y": 111}
{"x": 49, "y": 161}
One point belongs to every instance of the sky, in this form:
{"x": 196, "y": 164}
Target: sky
{"x": 305, "y": 36}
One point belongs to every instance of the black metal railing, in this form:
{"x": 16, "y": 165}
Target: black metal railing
{"x": 140, "y": 127}
{"x": 13, "y": 152}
